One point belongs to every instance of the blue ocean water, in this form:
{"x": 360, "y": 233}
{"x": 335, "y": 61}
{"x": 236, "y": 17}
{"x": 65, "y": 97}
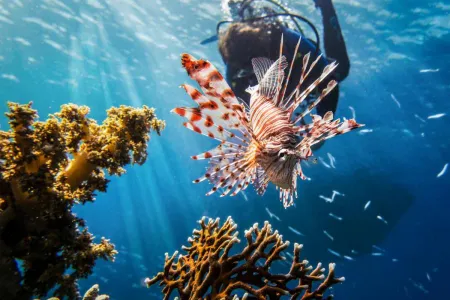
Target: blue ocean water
{"x": 104, "y": 53}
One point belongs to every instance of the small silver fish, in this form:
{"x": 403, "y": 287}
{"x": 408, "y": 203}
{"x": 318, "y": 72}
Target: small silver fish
{"x": 419, "y": 286}
{"x": 429, "y": 71}
{"x": 334, "y": 252}
{"x": 381, "y": 219}
{"x": 442, "y": 172}
{"x": 367, "y": 205}
{"x": 324, "y": 163}
{"x": 334, "y": 216}
{"x": 332, "y": 160}
{"x": 244, "y": 195}
{"x": 336, "y": 193}
{"x": 396, "y": 101}
{"x": 329, "y": 200}
{"x": 378, "y": 248}
{"x": 295, "y": 231}
{"x": 419, "y": 118}
{"x": 436, "y": 116}
{"x": 364, "y": 131}
{"x": 328, "y": 235}
{"x": 272, "y": 215}
{"x": 353, "y": 112}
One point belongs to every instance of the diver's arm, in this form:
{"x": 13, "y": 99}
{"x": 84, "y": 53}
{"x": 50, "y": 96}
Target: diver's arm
{"x": 333, "y": 40}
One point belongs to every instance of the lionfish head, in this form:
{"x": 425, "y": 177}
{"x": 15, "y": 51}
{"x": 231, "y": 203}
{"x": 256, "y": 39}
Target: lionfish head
{"x": 279, "y": 164}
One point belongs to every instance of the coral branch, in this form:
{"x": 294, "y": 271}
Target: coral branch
{"x": 78, "y": 170}
{"x": 207, "y": 271}
{"x": 45, "y": 168}
{"x": 91, "y": 294}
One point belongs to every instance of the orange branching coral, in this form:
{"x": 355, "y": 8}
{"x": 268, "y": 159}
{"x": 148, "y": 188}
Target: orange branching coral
{"x": 45, "y": 168}
{"x": 208, "y": 271}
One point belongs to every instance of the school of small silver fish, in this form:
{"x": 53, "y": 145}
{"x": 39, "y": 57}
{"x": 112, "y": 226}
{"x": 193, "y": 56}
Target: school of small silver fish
{"x": 262, "y": 142}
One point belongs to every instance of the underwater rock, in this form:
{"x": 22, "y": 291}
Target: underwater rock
{"x": 46, "y": 168}
{"x": 209, "y": 271}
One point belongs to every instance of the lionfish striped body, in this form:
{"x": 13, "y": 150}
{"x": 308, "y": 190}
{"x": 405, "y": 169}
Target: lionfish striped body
{"x": 260, "y": 143}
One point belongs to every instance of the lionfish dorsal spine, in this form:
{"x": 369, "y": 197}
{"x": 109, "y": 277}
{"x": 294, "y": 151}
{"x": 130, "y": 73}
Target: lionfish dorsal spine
{"x": 281, "y": 98}
{"x": 305, "y": 73}
{"x": 304, "y": 94}
{"x": 330, "y": 86}
{"x": 270, "y": 76}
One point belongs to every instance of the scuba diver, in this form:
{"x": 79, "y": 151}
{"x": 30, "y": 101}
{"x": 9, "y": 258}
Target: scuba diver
{"x": 255, "y": 30}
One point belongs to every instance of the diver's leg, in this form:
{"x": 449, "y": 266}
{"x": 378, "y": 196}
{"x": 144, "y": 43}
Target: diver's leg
{"x": 333, "y": 40}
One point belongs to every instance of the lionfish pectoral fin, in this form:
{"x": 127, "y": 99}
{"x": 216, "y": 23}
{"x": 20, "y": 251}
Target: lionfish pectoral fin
{"x": 218, "y": 115}
{"x": 219, "y": 100}
{"x": 228, "y": 169}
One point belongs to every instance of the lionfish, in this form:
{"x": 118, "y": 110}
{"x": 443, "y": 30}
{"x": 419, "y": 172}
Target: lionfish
{"x": 262, "y": 142}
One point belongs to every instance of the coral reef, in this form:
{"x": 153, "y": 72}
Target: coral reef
{"x": 91, "y": 294}
{"x": 46, "y": 167}
{"x": 208, "y": 271}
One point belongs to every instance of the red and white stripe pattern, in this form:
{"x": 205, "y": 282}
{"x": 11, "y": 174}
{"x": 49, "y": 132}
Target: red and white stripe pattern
{"x": 264, "y": 144}
{"x": 220, "y": 116}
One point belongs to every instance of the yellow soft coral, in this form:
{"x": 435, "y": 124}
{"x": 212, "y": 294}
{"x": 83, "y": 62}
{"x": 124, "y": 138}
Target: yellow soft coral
{"x": 91, "y": 294}
{"x": 48, "y": 166}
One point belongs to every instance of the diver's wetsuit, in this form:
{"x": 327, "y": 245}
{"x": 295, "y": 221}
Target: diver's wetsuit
{"x": 335, "y": 49}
